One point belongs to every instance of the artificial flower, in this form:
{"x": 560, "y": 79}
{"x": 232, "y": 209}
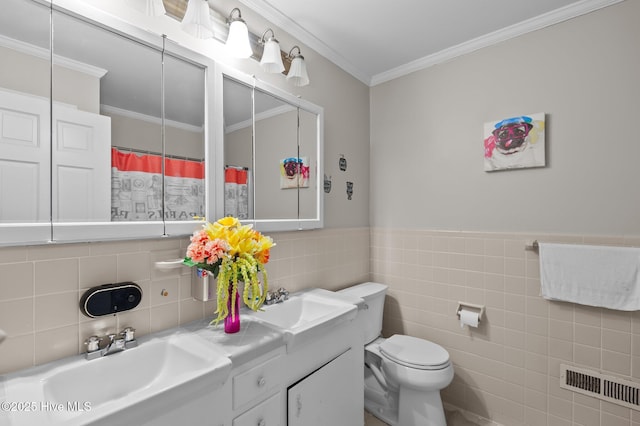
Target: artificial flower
{"x": 232, "y": 252}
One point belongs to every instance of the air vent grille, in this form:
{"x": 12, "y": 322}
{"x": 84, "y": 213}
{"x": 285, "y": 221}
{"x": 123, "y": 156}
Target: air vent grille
{"x": 608, "y": 388}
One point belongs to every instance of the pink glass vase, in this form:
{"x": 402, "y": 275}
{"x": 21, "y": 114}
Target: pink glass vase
{"x": 232, "y": 320}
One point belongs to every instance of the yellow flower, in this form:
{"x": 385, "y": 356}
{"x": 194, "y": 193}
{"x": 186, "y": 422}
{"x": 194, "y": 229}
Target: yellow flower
{"x": 246, "y": 253}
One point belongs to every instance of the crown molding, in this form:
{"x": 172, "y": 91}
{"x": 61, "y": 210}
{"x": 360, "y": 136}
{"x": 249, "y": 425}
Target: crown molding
{"x": 148, "y": 118}
{"x": 42, "y": 53}
{"x": 524, "y": 27}
{"x": 258, "y": 117}
{"x": 551, "y": 18}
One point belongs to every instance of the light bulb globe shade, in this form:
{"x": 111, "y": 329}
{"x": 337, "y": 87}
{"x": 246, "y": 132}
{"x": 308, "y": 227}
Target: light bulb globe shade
{"x": 237, "y": 44}
{"x": 154, "y": 8}
{"x": 197, "y": 21}
{"x": 298, "y": 72}
{"x": 271, "y": 58}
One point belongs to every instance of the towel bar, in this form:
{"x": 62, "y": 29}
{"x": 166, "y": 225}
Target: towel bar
{"x": 532, "y": 247}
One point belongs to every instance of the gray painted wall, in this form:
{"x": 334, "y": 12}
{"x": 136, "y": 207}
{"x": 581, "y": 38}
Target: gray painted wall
{"x": 427, "y": 134}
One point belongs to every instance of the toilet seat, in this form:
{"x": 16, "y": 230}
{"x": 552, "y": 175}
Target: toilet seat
{"x": 415, "y": 353}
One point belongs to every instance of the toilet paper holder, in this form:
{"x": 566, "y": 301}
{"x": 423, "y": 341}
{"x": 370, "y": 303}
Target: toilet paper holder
{"x": 473, "y": 307}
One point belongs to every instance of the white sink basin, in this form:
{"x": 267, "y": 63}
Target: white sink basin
{"x": 306, "y": 314}
{"x": 158, "y": 366}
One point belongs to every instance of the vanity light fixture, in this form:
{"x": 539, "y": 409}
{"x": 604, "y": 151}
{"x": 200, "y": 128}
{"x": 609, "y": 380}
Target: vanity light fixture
{"x": 197, "y": 19}
{"x": 298, "y": 70}
{"x": 238, "y": 40}
{"x": 271, "y": 58}
{"x": 154, "y": 8}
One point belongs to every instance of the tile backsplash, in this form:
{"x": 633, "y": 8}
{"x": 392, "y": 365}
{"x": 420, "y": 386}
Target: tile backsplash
{"x": 507, "y": 369}
{"x": 40, "y": 286}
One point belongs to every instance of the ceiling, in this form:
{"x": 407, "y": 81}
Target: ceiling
{"x": 377, "y": 41}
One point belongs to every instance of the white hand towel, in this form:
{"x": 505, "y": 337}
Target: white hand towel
{"x": 603, "y": 276}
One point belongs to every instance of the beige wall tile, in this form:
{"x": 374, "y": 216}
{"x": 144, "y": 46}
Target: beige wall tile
{"x": 17, "y": 353}
{"x": 616, "y": 341}
{"x": 560, "y": 408}
{"x": 163, "y": 317}
{"x": 56, "y": 343}
{"x": 140, "y": 319}
{"x": 56, "y": 276}
{"x": 134, "y": 266}
{"x": 611, "y": 420}
{"x": 587, "y": 356}
{"x": 508, "y": 368}
{"x": 16, "y": 317}
{"x": 586, "y": 416}
{"x": 616, "y": 363}
{"x": 16, "y": 280}
{"x": 586, "y": 335}
{"x": 191, "y": 310}
{"x": 163, "y": 291}
{"x": 97, "y": 270}
{"x": 56, "y": 310}
{"x": 617, "y": 320}
{"x": 616, "y": 410}
{"x": 561, "y": 349}
{"x": 57, "y": 251}
{"x": 13, "y": 254}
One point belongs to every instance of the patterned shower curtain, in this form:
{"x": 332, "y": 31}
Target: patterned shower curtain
{"x": 136, "y": 187}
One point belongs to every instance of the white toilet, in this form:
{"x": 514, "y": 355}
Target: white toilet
{"x": 403, "y": 375}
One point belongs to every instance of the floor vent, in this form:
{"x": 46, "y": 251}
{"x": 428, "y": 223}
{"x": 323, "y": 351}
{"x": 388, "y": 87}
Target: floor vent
{"x": 593, "y": 383}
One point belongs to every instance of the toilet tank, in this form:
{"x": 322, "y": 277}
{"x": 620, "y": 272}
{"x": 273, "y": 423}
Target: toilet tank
{"x": 370, "y": 318}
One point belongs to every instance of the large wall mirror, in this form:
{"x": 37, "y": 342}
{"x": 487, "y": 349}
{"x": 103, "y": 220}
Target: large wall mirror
{"x": 272, "y": 155}
{"x": 102, "y": 129}
{"x": 108, "y": 131}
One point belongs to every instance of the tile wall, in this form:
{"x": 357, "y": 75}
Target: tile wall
{"x": 40, "y": 286}
{"x": 506, "y": 370}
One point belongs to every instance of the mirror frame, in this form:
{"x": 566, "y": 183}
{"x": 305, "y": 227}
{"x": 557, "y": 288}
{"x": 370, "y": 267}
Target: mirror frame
{"x": 100, "y": 231}
{"x": 273, "y": 225}
{"x": 12, "y": 234}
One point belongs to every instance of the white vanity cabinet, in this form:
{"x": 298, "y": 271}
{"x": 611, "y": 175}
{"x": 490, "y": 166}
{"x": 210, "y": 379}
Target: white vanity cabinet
{"x": 324, "y": 397}
{"x": 257, "y": 389}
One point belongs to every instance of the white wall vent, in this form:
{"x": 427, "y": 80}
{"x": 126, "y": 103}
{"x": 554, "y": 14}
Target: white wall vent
{"x": 598, "y": 385}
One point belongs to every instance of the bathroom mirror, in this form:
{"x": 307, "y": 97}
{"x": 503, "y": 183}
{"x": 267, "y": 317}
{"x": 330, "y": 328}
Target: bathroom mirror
{"x": 238, "y": 147}
{"x": 277, "y": 139}
{"x": 126, "y": 155}
{"x": 276, "y": 153}
{"x": 25, "y": 143}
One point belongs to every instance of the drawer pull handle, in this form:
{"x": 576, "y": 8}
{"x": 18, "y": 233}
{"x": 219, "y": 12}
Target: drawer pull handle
{"x": 261, "y": 382}
{"x": 262, "y": 422}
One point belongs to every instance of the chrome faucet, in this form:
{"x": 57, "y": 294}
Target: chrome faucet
{"x": 278, "y": 296}
{"x": 125, "y": 340}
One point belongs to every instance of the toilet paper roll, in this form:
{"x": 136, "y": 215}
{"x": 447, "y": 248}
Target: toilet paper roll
{"x": 469, "y": 318}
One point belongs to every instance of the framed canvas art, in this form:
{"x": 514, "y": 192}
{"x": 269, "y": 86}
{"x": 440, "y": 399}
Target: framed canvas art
{"x": 515, "y": 143}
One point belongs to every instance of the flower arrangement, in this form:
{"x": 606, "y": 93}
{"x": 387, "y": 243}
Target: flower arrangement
{"x": 230, "y": 251}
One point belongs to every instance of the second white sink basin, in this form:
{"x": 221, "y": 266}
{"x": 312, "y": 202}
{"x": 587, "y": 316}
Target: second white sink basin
{"x": 306, "y": 314}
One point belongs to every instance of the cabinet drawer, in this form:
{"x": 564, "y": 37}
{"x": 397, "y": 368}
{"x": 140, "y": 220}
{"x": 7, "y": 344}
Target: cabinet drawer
{"x": 256, "y": 382}
{"x": 267, "y": 413}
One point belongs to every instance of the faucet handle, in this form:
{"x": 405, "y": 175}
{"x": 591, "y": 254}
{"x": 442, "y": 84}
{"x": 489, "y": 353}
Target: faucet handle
{"x": 283, "y": 292}
{"x": 128, "y": 334}
{"x": 93, "y": 343}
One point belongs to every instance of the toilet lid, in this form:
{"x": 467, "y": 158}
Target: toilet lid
{"x": 414, "y": 352}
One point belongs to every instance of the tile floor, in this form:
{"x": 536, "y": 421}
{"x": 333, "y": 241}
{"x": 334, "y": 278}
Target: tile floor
{"x": 453, "y": 419}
